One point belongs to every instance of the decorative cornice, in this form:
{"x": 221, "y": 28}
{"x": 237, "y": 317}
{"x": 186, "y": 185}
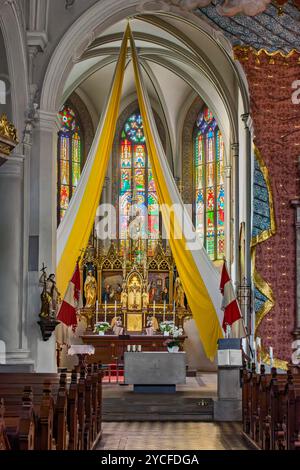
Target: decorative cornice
{"x": 48, "y": 121}
{"x": 242, "y": 53}
{"x": 13, "y": 167}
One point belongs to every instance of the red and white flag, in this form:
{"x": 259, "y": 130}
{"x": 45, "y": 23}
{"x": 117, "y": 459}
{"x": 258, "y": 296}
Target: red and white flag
{"x": 72, "y": 301}
{"x": 232, "y": 313}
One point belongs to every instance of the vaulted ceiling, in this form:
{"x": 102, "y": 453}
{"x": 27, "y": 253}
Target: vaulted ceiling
{"x": 272, "y": 29}
{"x": 180, "y": 60}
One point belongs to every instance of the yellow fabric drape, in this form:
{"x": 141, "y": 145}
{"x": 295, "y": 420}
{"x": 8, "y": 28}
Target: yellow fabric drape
{"x": 199, "y": 300}
{"x": 85, "y": 217}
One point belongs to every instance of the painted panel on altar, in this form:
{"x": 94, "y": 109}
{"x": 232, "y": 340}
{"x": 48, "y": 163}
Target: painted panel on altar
{"x": 111, "y": 287}
{"x": 156, "y": 285}
{"x": 134, "y": 322}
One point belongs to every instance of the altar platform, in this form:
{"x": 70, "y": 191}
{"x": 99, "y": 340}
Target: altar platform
{"x": 193, "y": 401}
{"x": 110, "y": 349}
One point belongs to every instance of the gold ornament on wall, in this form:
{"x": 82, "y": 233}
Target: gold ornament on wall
{"x": 8, "y": 138}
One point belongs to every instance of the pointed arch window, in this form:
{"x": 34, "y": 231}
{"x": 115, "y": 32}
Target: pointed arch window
{"x": 69, "y": 158}
{"x": 137, "y": 191}
{"x": 209, "y": 184}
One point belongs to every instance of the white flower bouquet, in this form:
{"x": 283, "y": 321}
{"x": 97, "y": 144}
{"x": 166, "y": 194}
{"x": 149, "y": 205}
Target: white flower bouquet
{"x": 101, "y": 327}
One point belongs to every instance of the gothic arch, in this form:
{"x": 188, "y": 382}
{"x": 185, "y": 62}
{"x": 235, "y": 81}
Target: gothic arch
{"x": 85, "y": 119}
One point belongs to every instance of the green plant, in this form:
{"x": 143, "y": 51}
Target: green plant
{"x": 101, "y": 326}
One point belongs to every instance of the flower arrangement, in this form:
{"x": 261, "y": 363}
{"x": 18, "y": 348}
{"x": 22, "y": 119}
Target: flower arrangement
{"x": 101, "y": 327}
{"x": 166, "y": 327}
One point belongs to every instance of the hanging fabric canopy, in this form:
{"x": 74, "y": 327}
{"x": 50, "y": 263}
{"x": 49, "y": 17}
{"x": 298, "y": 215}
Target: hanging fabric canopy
{"x": 75, "y": 229}
{"x": 199, "y": 277}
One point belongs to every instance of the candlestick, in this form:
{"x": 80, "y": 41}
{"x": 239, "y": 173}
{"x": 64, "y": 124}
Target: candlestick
{"x": 105, "y": 310}
{"x": 154, "y": 307}
{"x": 271, "y": 356}
{"x": 97, "y": 312}
{"x": 164, "y": 317}
{"x": 115, "y": 309}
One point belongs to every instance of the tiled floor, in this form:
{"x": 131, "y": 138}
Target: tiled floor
{"x": 171, "y": 436}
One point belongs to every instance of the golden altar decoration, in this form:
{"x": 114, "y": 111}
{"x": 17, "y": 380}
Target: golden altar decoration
{"x": 130, "y": 289}
{"x": 8, "y": 138}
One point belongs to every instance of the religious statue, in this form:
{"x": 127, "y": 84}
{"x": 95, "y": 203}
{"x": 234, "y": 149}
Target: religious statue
{"x": 90, "y": 290}
{"x": 117, "y": 326}
{"x": 124, "y": 298}
{"x": 134, "y": 296}
{"x": 118, "y": 292}
{"x": 165, "y": 295}
{"x": 145, "y": 300}
{"x": 179, "y": 294}
{"x": 50, "y": 297}
{"x": 54, "y": 295}
{"x": 152, "y": 291}
{"x": 152, "y": 326}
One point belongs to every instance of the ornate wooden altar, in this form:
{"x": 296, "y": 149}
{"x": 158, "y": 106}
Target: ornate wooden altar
{"x": 129, "y": 289}
{"x": 110, "y": 349}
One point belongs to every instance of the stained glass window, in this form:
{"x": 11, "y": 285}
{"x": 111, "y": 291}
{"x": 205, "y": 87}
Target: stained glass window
{"x": 138, "y": 198}
{"x": 69, "y": 158}
{"x": 209, "y": 184}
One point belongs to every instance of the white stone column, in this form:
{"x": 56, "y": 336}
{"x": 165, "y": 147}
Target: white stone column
{"x": 13, "y": 327}
{"x": 43, "y": 225}
{"x": 236, "y": 210}
{"x": 228, "y": 212}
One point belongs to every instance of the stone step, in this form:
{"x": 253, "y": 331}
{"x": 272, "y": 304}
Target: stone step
{"x": 157, "y": 408}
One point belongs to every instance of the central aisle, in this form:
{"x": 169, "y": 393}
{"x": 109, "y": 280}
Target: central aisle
{"x": 172, "y": 436}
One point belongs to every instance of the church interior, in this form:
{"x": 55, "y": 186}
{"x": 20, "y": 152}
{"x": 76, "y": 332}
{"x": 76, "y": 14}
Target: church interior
{"x": 150, "y": 225}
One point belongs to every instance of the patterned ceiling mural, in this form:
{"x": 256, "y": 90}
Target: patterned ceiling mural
{"x": 273, "y": 30}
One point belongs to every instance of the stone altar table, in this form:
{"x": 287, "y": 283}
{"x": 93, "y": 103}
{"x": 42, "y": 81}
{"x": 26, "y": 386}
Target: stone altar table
{"x": 154, "y": 372}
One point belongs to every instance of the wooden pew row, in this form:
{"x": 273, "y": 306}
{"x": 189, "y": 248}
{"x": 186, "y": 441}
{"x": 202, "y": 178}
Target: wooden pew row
{"x": 271, "y": 409}
{"x": 76, "y": 406}
{"x": 4, "y": 442}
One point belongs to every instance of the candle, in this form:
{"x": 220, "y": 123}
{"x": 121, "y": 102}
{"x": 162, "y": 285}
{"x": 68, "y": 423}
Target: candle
{"x": 115, "y": 309}
{"x": 164, "y": 311}
{"x": 271, "y": 356}
{"x": 105, "y": 310}
{"x": 174, "y": 306}
{"x": 97, "y": 312}
{"x": 174, "y": 317}
{"x": 154, "y": 307}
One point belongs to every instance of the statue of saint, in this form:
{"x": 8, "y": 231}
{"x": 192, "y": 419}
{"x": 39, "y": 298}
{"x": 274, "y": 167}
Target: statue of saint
{"x": 179, "y": 294}
{"x": 152, "y": 325}
{"x": 54, "y": 295}
{"x": 124, "y": 298}
{"x": 145, "y": 300}
{"x": 90, "y": 290}
{"x": 50, "y": 297}
{"x": 45, "y": 298}
{"x": 117, "y": 326}
{"x": 135, "y": 296}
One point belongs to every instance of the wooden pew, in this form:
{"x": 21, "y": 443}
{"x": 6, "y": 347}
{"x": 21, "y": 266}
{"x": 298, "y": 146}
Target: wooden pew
{"x": 246, "y": 378}
{"x": 271, "y": 409}
{"x": 50, "y": 405}
{"x": 19, "y": 424}
{"x": 43, "y": 409}
{"x": 4, "y": 442}
{"x": 291, "y": 404}
{"x": 77, "y": 407}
